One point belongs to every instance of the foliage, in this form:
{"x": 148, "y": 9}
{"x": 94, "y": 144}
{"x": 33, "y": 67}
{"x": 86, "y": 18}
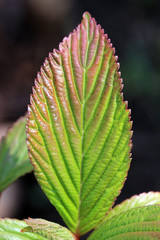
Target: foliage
{"x": 11, "y": 229}
{"x": 144, "y": 199}
{"x": 136, "y": 223}
{"x": 48, "y": 229}
{"x": 14, "y": 161}
{"x": 78, "y": 120}
{"x": 79, "y": 141}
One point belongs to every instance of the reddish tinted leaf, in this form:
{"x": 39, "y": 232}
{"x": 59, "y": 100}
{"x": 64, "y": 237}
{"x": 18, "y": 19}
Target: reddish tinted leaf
{"x": 79, "y": 128}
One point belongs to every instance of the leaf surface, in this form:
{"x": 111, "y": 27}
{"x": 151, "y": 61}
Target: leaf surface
{"x": 79, "y": 128}
{"x": 50, "y": 230}
{"x": 14, "y": 159}
{"x": 143, "y": 199}
{"x": 141, "y": 223}
{"x": 10, "y": 229}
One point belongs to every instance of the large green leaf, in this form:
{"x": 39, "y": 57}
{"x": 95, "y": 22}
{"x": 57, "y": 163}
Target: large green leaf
{"x": 14, "y": 160}
{"x": 143, "y": 199}
{"x": 11, "y": 230}
{"x": 79, "y": 128}
{"x": 50, "y": 230}
{"x": 141, "y": 223}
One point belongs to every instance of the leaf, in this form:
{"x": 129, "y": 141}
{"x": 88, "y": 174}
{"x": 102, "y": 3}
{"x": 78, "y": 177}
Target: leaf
{"x": 141, "y": 223}
{"x": 50, "y": 230}
{"x": 10, "y": 229}
{"x": 14, "y": 160}
{"x": 79, "y": 129}
{"x": 143, "y": 199}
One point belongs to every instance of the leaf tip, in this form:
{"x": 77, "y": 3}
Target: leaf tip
{"x": 86, "y": 15}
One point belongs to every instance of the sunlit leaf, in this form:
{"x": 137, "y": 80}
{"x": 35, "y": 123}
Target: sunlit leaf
{"x": 141, "y": 223}
{"x": 79, "y": 128}
{"x": 14, "y": 160}
{"x": 50, "y": 230}
{"x": 143, "y": 199}
{"x": 11, "y": 230}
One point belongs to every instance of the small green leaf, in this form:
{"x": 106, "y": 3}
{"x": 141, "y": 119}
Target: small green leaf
{"x": 79, "y": 127}
{"x": 141, "y": 223}
{"x": 143, "y": 199}
{"x": 14, "y": 160}
{"x": 10, "y": 229}
{"x": 50, "y": 230}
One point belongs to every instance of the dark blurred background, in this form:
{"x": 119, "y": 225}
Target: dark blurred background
{"x": 29, "y": 29}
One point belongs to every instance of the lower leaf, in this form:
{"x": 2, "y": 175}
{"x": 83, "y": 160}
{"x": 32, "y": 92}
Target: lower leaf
{"x": 10, "y": 229}
{"x": 141, "y": 223}
{"x": 49, "y": 230}
{"x": 140, "y": 200}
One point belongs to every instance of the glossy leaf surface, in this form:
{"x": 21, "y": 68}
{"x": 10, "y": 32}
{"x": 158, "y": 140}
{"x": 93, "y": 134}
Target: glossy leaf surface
{"x": 143, "y": 199}
{"x": 79, "y": 129}
{"x": 14, "y": 160}
{"x": 11, "y": 230}
{"x": 50, "y": 230}
{"x": 141, "y": 223}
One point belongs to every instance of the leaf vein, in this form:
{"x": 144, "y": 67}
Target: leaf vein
{"x": 53, "y": 167}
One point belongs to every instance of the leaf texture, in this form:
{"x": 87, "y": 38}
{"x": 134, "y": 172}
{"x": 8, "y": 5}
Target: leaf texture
{"x": 14, "y": 159}
{"x": 141, "y": 223}
{"x": 79, "y": 127}
{"x": 143, "y": 199}
{"x": 10, "y": 229}
{"x": 50, "y": 230}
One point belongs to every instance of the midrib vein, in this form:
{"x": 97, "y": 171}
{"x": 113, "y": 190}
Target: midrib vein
{"x": 82, "y": 125}
{"x": 82, "y": 142}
